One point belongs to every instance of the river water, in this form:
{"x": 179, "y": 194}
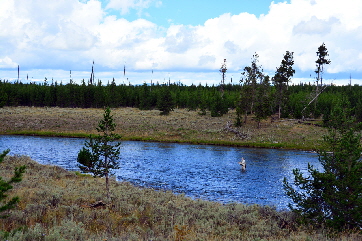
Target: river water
{"x": 200, "y": 171}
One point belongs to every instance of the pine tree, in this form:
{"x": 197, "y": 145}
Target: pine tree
{"x": 322, "y": 55}
{"x": 7, "y": 185}
{"x": 101, "y": 153}
{"x": 322, "y": 60}
{"x": 262, "y": 108}
{"x": 218, "y": 107}
{"x": 333, "y": 196}
{"x": 281, "y": 79}
{"x": 165, "y": 103}
{"x": 252, "y": 75}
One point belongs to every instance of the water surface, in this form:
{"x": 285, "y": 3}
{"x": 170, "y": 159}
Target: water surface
{"x": 200, "y": 171}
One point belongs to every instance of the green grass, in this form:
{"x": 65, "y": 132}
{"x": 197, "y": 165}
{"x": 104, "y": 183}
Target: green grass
{"x": 295, "y": 146}
{"x": 48, "y": 133}
{"x": 55, "y": 205}
{"x": 181, "y": 126}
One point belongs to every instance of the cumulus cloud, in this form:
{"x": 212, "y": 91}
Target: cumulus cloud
{"x": 315, "y": 26}
{"x": 7, "y": 63}
{"x": 71, "y": 34}
{"x": 180, "y": 38}
{"x": 125, "y": 5}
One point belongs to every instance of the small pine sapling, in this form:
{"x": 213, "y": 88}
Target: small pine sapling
{"x": 101, "y": 153}
{"x": 7, "y": 185}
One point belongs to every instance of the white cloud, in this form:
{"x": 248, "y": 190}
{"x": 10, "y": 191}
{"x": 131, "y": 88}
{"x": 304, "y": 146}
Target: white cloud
{"x": 125, "y": 5}
{"x": 7, "y": 63}
{"x": 180, "y": 38}
{"x": 70, "y": 34}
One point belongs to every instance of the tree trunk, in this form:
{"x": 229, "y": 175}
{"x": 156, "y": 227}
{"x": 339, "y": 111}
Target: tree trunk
{"x": 279, "y": 111}
{"x": 107, "y": 185}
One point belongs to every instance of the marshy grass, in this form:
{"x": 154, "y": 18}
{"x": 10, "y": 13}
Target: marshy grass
{"x": 180, "y": 126}
{"x": 55, "y": 204}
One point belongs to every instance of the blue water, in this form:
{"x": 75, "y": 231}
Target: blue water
{"x": 200, "y": 171}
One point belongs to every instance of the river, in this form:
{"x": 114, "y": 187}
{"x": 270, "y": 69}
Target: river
{"x": 200, "y": 171}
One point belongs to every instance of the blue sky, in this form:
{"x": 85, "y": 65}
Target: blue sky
{"x": 182, "y": 40}
{"x": 192, "y": 12}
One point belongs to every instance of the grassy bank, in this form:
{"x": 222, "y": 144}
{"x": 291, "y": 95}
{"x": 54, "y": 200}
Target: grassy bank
{"x": 56, "y": 205}
{"x": 180, "y": 126}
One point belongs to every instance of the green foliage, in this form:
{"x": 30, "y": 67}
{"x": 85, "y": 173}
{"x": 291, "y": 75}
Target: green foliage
{"x": 86, "y": 160}
{"x": 253, "y": 75}
{"x": 263, "y": 101}
{"x": 3, "y": 98}
{"x": 7, "y": 185}
{"x": 218, "y": 107}
{"x": 101, "y": 153}
{"x": 322, "y": 60}
{"x": 281, "y": 79}
{"x": 292, "y": 99}
{"x": 332, "y": 197}
{"x": 165, "y": 102}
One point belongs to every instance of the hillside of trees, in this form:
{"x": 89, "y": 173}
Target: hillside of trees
{"x": 216, "y": 99}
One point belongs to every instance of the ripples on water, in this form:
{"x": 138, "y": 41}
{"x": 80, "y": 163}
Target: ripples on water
{"x": 207, "y": 172}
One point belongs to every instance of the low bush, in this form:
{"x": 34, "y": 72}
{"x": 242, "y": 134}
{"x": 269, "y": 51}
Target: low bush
{"x": 59, "y": 205}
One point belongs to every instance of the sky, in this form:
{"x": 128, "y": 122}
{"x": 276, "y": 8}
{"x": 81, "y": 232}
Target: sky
{"x": 177, "y": 40}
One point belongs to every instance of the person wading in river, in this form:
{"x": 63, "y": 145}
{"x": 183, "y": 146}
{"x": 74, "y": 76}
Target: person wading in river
{"x": 243, "y": 164}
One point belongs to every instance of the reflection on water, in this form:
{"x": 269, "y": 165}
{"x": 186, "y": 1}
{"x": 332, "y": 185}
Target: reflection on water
{"x": 207, "y": 172}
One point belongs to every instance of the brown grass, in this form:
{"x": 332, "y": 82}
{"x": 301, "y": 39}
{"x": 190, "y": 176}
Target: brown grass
{"x": 56, "y": 205}
{"x": 180, "y": 126}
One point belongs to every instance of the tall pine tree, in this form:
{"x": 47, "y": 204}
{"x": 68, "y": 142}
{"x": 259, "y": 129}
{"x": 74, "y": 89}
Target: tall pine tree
{"x": 281, "y": 79}
{"x": 252, "y": 75}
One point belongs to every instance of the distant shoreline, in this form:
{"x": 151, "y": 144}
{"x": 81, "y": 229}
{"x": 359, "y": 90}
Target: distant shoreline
{"x": 181, "y": 126}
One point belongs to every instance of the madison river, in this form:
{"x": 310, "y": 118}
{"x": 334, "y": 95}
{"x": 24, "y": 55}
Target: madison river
{"x": 199, "y": 171}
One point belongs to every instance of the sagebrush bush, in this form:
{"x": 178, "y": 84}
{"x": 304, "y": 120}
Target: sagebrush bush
{"x": 56, "y": 205}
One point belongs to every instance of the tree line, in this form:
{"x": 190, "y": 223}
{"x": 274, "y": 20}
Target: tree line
{"x": 257, "y": 94}
{"x": 147, "y": 97}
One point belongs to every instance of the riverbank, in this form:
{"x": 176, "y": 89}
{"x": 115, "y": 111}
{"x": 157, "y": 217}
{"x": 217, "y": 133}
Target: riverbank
{"x": 56, "y": 204}
{"x": 181, "y": 126}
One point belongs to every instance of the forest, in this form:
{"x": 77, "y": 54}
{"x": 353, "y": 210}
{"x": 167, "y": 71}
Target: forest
{"x": 216, "y": 99}
{"x": 256, "y": 93}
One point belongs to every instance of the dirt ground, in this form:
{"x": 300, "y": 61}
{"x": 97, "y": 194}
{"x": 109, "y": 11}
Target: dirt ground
{"x": 180, "y": 126}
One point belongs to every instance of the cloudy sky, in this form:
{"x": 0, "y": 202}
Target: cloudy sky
{"x": 180, "y": 40}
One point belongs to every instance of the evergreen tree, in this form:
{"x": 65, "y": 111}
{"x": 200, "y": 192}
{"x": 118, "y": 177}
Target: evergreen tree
{"x": 203, "y": 103}
{"x": 165, "y": 102}
{"x": 281, "y": 79}
{"x": 252, "y": 75}
{"x": 218, "y": 107}
{"x": 144, "y": 97}
{"x": 333, "y": 196}
{"x": 263, "y": 101}
{"x": 322, "y": 60}
{"x": 3, "y": 98}
{"x": 6, "y": 185}
{"x": 101, "y": 153}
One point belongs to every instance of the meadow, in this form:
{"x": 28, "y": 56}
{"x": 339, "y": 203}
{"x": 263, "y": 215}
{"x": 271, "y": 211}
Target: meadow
{"x": 56, "y": 204}
{"x": 180, "y": 125}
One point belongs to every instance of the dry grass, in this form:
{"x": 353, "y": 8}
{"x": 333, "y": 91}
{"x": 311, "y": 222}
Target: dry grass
{"x": 55, "y": 205}
{"x": 180, "y": 126}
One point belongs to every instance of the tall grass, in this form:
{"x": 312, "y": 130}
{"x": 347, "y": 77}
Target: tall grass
{"x": 56, "y": 205}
